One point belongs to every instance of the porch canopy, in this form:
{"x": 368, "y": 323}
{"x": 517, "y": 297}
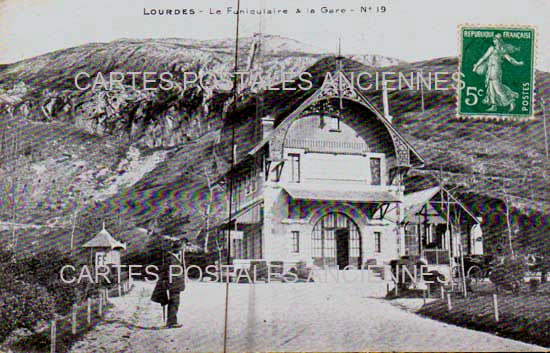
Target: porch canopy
{"x": 350, "y": 195}
{"x": 416, "y": 213}
{"x": 418, "y": 208}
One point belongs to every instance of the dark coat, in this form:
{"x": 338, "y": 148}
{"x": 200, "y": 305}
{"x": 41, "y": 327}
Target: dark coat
{"x": 175, "y": 284}
{"x": 159, "y": 293}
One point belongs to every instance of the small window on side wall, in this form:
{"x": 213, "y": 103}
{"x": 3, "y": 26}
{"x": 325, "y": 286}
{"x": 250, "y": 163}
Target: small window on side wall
{"x": 376, "y": 171}
{"x": 377, "y": 242}
{"x": 295, "y": 241}
{"x": 294, "y": 167}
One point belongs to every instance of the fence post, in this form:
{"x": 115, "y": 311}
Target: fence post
{"x": 449, "y": 304}
{"x": 53, "y": 332}
{"x": 495, "y": 306}
{"x": 89, "y": 316}
{"x": 442, "y": 293}
{"x": 106, "y": 295}
{"x": 119, "y": 289}
{"x": 73, "y": 319}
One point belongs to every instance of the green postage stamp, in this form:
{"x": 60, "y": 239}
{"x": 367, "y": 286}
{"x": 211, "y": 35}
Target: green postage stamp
{"x": 497, "y": 69}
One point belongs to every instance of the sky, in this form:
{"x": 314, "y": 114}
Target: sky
{"x": 407, "y": 30}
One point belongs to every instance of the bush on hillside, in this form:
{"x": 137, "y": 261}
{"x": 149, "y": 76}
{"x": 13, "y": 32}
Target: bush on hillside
{"x": 40, "y": 268}
{"x": 22, "y": 305}
{"x": 509, "y": 274}
{"x": 6, "y": 255}
{"x": 43, "y": 270}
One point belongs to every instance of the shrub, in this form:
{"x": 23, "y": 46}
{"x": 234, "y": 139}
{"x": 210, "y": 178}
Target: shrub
{"x": 199, "y": 259}
{"x": 302, "y": 271}
{"x": 544, "y": 268}
{"x": 261, "y": 269}
{"x": 43, "y": 270}
{"x": 22, "y": 305}
{"x": 509, "y": 274}
{"x": 6, "y": 255}
{"x": 534, "y": 284}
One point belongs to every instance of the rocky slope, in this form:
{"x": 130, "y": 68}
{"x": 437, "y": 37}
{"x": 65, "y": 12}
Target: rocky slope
{"x": 44, "y": 88}
{"x": 128, "y": 155}
{"x": 69, "y": 154}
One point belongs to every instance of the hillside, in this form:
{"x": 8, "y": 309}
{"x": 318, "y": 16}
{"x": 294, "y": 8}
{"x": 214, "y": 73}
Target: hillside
{"x": 480, "y": 156}
{"x": 128, "y": 156}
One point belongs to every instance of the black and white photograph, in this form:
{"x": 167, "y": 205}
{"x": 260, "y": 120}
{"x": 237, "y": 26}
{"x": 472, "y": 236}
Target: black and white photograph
{"x": 280, "y": 176}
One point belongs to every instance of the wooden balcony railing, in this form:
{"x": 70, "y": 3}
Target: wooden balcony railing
{"x": 327, "y": 146}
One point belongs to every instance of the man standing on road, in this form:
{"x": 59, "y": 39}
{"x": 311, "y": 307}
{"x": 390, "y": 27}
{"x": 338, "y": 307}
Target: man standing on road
{"x": 172, "y": 278}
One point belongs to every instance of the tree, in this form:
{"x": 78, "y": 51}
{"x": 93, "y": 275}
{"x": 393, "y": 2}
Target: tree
{"x": 508, "y": 223}
{"x": 208, "y": 208}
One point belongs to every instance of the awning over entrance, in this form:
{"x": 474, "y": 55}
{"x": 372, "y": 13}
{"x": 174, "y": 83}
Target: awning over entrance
{"x": 419, "y": 209}
{"x": 416, "y": 213}
{"x": 420, "y": 197}
{"x": 340, "y": 195}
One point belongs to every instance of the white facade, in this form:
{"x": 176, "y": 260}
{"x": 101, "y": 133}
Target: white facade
{"x": 327, "y": 172}
{"x": 322, "y": 186}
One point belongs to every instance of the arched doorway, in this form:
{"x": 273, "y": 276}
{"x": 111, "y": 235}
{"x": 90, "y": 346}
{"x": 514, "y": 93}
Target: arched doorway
{"x": 336, "y": 241}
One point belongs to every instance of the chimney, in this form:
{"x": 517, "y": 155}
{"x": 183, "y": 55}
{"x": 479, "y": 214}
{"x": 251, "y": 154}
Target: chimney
{"x": 385, "y": 101}
{"x": 267, "y": 125}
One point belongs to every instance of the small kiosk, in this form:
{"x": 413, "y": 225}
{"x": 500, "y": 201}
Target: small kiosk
{"x": 104, "y": 249}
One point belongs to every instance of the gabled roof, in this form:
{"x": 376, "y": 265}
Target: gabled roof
{"x": 104, "y": 239}
{"x": 414, "y": 203}
{"x": 282, "y": 105}
{"x": 279, "y": 103}
{"x": 420, "y": 197}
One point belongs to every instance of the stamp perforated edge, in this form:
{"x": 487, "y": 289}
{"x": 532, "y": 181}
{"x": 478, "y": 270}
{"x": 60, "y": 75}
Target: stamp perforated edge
{"x": 490, "y": 117}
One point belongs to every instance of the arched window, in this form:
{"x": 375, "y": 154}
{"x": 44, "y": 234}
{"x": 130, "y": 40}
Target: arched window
{"x": 336, "y": 241}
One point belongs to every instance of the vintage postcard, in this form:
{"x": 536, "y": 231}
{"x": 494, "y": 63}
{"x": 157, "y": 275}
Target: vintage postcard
{"x": 280, "y": 176}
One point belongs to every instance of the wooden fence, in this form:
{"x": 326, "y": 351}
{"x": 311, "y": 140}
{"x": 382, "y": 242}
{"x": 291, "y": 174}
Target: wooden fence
{"x": 83, "y": 315}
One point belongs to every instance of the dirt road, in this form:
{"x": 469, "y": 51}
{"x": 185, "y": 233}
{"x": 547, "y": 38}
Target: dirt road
{"x": 279, "y": 317}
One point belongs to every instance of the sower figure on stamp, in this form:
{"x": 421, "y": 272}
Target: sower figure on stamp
{"x": 497, "y": 94}
{"x": 171, "y": 280}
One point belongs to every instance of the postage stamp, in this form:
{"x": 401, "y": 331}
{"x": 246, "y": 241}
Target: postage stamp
{"x": 274, "y": 175}
{"x": 497, "y": 69}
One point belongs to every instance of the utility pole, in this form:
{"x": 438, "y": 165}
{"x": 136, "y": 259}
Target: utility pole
{"x": 231, "y": 177}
